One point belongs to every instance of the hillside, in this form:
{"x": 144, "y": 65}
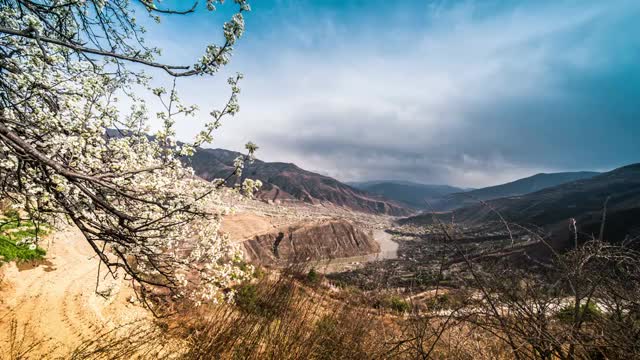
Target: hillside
{"x": 309, "y": 241}
{"x": 412, "y": 194}
{"x": 285, "y": 181}
{"x": 519, "y": 187}
{"x": 552, "y": 208}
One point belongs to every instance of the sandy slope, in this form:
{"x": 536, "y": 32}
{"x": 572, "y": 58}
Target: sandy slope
{"x": 243, "y": 225}
{"x": 57, "y": 301}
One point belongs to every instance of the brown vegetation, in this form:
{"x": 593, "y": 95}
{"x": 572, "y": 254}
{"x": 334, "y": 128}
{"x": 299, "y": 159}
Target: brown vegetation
{"x": 580, "y": 304}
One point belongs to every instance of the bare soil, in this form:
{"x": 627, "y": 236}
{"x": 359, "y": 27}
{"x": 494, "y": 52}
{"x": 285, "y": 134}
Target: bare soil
{"x": 55, "y": 301}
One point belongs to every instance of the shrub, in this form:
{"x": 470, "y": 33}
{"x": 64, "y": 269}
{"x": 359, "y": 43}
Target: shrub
{"x": 247, "y": 298}
{"x": 453, "y": 299}
{"x": 392, "y": 302}
{"x": 588, "y": 312}
{"x": 265, "y": 298}
{"x": 17, "y": 239}
{"x": 313, "y": 277}
{"x": 440, "y": 302}
{"x": 399, "y": 305}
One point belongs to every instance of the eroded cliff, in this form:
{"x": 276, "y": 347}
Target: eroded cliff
{"x": 313, "y": 241}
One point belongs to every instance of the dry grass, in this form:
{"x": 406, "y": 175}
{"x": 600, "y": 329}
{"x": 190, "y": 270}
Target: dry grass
{"x": 497, "y": 312}
{"x": 290, "y": 317}
{"x": 20, "y": 343}
{"x": 281, "y": 319}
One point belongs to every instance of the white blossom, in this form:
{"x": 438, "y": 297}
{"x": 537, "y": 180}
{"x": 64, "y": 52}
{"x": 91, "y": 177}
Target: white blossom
{"x": 130, "y": 193}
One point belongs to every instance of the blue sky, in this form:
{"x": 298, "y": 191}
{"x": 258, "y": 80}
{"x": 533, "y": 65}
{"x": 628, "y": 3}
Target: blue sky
{"x": 468, "y": 93}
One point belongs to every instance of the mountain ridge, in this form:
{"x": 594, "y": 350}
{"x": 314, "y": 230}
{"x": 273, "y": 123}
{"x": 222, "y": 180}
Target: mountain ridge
{"x": 287, "y": 181}
{"x": 284, "y": 181}
{"x": 413, "y": 194}
{"x": 518, "y": 187}
{"x": 551, "y": 208}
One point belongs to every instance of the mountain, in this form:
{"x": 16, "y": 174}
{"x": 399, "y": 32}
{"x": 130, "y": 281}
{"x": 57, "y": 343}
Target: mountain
{"x": 552, "y": 208}
{"x": 284, "y": 181}
{"x": 412, "y": 194}
{"x": 519, "y": 187}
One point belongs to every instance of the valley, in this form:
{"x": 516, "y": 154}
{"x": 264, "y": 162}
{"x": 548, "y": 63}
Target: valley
{"x": 423, "y": 260}
{"x": 524, "y": 228}
{"x": 319, "y": 180}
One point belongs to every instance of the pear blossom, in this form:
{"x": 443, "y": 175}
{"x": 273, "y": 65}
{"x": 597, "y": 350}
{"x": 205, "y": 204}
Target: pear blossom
{"x": 69, "y": 154}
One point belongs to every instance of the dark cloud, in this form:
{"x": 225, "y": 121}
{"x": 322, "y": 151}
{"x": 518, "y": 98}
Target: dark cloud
{"x": 466, "y": 93}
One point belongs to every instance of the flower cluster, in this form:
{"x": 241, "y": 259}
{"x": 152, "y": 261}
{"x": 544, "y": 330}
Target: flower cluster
{"x": 68, "y": 153}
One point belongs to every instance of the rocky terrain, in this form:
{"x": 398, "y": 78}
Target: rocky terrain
{"x": 55, "y": 304}
{"x": 314, "y": 241}
{"x": 317, "y": 232}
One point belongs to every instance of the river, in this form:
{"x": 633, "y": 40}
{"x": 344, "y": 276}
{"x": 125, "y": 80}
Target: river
{"x": 388, "y": 250}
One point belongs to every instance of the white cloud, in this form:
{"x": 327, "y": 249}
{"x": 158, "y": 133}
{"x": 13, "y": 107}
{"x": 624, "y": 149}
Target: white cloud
{"x": 366, "y": 100}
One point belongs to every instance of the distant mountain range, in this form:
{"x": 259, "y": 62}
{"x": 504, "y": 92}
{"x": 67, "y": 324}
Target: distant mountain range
{"x": 551, "y": 208}
{"x": 409, "y": 193}
{"x": 285, "y": 181}
{"x": 519, "y": 187}
{"x": 445, "y": 197}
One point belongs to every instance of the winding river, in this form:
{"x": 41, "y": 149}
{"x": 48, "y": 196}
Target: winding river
{"x": 388, "y": 250}
{"x": 388, "y": 247}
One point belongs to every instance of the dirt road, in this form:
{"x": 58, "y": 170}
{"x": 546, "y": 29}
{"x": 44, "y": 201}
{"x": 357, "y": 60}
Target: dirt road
{"x": 56, "y": 302}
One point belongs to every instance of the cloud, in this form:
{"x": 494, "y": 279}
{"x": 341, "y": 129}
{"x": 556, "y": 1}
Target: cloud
{"x": 469, "y": 94}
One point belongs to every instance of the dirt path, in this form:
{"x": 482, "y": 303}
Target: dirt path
{"x": 56, "y": 302}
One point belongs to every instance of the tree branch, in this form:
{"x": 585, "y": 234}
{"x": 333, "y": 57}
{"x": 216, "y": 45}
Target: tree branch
{"x": 152, "y": 7}
{"x": 82, "y": 49}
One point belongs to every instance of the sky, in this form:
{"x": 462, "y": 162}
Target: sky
{"x": 465, "y": 93}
